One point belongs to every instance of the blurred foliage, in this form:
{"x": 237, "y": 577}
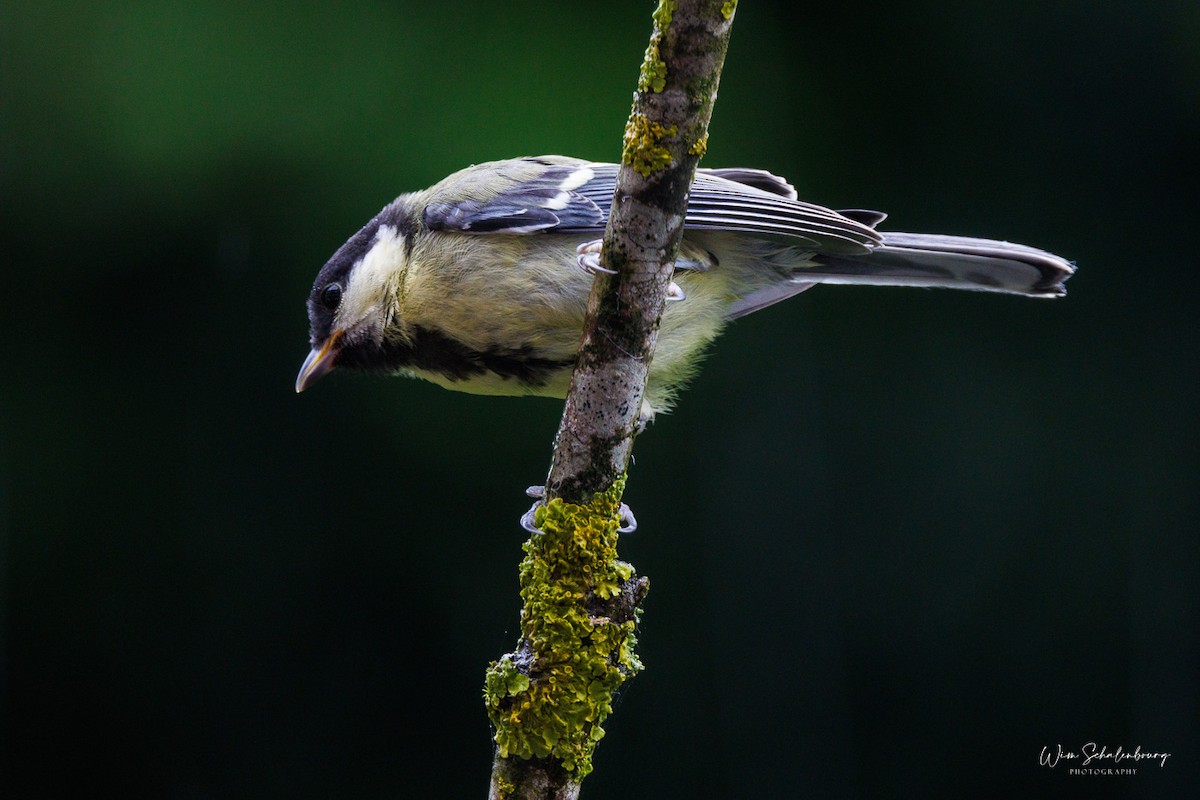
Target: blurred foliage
{"x": 899, "y": 540}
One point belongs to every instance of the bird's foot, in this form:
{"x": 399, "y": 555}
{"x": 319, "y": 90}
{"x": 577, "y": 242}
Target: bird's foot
{"x": 537, "y": 492}
{"x": 628, "y": 523}
{"x": 587, "y": 256}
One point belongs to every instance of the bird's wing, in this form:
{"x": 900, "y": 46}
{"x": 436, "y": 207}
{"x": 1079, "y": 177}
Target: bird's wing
{"x": 575, "y": 197}
{"x": 542, "y": 195}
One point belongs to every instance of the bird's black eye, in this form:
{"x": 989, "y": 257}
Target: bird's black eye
{"x": 331, "y": 296}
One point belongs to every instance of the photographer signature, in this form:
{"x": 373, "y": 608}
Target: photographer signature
{"x": 1091, "y": 752}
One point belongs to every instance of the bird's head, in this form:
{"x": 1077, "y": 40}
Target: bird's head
{"x": 353, "y": 299}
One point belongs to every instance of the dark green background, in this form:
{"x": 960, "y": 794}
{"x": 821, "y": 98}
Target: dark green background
{"x": 898, "y": 540}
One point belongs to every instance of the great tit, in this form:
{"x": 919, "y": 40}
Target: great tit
{"x": 479, "y": 283}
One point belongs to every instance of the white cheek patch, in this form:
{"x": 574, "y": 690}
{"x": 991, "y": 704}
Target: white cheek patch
{"x": 371, "y": 281}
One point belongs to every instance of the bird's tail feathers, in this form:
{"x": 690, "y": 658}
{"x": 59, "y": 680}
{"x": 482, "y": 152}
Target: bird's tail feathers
{"x": 767, "y": 296}
{"x": 960, "y": 262}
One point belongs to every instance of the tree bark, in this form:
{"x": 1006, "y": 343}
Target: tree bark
{"x": 665, "y": 137}
{"x": 548, "y": 699}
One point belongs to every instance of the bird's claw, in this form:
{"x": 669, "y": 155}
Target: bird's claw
{"x": 587, "y": 256}
{"x": 537, "y": 492}
{"x": 628, "y": 523}
{"x": 527, "y": 519}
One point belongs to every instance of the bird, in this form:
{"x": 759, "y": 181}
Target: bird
{"x": 480, "y": 283}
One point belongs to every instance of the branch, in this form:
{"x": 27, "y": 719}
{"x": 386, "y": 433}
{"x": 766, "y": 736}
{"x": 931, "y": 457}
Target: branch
{"x": 665, "y": 137}
{"x": 548, "y": 699}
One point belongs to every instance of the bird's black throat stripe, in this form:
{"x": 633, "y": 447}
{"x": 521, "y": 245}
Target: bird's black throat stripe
{"x": 433, "y": 351}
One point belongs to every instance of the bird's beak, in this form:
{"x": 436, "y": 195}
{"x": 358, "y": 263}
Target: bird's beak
{"x": 320, "y": 361}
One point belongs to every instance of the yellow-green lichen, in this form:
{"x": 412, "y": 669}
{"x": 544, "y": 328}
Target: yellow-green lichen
{"x": 653, "y": 77}
{"x": 579, "y": 660}
{"x": 727, "y": 8}
{"x": 643, "y": 146}
{"x": 504, "y": 788}
{"x": 662, "y": 15}
{"x": 699, "y": 147}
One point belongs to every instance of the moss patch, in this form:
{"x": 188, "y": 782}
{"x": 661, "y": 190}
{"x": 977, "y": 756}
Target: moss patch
{"x": 554, "y": 705}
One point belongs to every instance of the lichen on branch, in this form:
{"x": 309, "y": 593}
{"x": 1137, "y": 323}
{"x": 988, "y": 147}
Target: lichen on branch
{"x": 576, "y": 656}
{"x": 653, "y": 77}
{"x": 548, "y": 700}
{"x": 643, "y": 147}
